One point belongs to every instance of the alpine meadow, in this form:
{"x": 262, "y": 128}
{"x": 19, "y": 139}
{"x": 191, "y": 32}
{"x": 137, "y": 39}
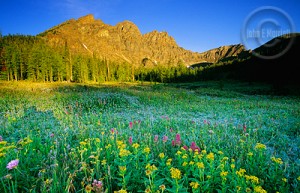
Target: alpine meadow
{"x": 87, "y": 106}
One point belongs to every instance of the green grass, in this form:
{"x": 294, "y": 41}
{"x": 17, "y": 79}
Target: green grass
{"x": 65, "y": 136}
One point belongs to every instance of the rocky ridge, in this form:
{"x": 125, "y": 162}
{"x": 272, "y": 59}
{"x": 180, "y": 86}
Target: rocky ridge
{"x": 125, "y": 43}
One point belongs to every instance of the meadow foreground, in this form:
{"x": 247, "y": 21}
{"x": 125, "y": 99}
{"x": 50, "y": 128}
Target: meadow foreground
{"x": 61, "y": 137}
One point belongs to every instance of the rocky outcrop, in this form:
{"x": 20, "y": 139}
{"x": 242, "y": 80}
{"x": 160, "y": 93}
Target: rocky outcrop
{"x": 125, "y": 43}
{"x": 222, "y": 52}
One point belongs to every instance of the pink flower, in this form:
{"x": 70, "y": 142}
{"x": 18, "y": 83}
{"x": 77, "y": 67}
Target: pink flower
{"x": 171, "y": 129}
{"x": 185, "y": 147}
{"x": 245, "y": 128}
{"x": 173, "y": 143}
{"x": 155, "y": 138}
{"x": 194, "y": 147}
{"x": 97, "y": 185}
{"x": 12, "y": 164}
{"x": 130, "y": 125}
{"x": 1, "y": 138}
{"x": 177, "y": 139}
{"x": 52, "y": 135}
{"x": 130, "y": 140}
{"x": 113, "y": 131}
{"x": 165, "y": 138}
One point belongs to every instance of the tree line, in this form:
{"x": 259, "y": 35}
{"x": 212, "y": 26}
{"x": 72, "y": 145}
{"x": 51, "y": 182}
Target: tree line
{"x": 24, "y": 57}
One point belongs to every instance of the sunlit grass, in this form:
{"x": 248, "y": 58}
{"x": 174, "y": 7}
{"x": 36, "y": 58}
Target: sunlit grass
{"x": 146, "y": 138}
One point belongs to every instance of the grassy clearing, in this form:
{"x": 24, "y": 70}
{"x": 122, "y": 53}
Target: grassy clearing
{"x": 147, "y": 138}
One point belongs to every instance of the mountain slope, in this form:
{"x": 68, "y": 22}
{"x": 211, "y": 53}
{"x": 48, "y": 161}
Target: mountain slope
{"x": 274, "y": 62}
{"x": 124, "y": 42}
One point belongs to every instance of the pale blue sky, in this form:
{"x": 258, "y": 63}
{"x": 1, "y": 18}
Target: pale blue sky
{"x": 196, "y": 25}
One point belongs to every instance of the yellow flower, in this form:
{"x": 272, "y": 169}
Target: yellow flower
{"x": 184, "y": 163}
{"x": 107, "y": 146}
{"x": 83, "y": 143}
{"x": 220, "y": 152}
{"x": 147, "y": 150}
{"x": 148, "y": 190}
{"x": 135, "y": 145}
{"x": 162, "y": 187}
{"x": 298, "y": 178}
{"x": 88, "y": 188}
{"x": 194, "y": 185}
{"x": 122, "y": 168}
{"x": 124, "y": 152}
{"x": 232, "y": 166}
{"x": 185, "y": 156}
{"x": 224, "y": 159}
{"x": 200, "y": 165}
{"x": 196, "y": 155}
{"x": 203, "y": 152}
{"x": 175, "y": 173}
{"x": 150, "y": 169}
{"x": 259, "y": 189}
{"x": 2, "y": 154}
{"x": 169, "y": 161}
{"x": 122, "y": 191}
{"x": 121, "y": 144}
{"x": 241, "y": 172}
{"x": 178, "y": 152}
{"x": 260, "y": 146}
{"x": 148, "y": 172}
{"x": 223, "y": 174}
{"x": 277, "y": 160}
{"x": 161, "y": 155}
{"x": 3, "y": 142}
{"x": 210, "y": 156}
{"x": 284, "y": 179}
{"x": 253, "y": 179}
{"x": 103, "y": 162}
{"x": 25, "y": 141}
{"x": 191, "y": 163}
{"x": 250, "y": 154}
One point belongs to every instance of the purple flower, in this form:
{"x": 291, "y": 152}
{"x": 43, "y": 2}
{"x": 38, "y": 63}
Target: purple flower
{"x": 155, "y": 138}
{"x": 1, "y": 139}
{"x": 12, "y": 164}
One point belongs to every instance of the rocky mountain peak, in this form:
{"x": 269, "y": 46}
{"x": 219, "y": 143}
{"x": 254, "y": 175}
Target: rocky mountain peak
{"x": 128, "y": 27}
{"x": 125, "y": 43}
{"x": 86, "y": 19}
